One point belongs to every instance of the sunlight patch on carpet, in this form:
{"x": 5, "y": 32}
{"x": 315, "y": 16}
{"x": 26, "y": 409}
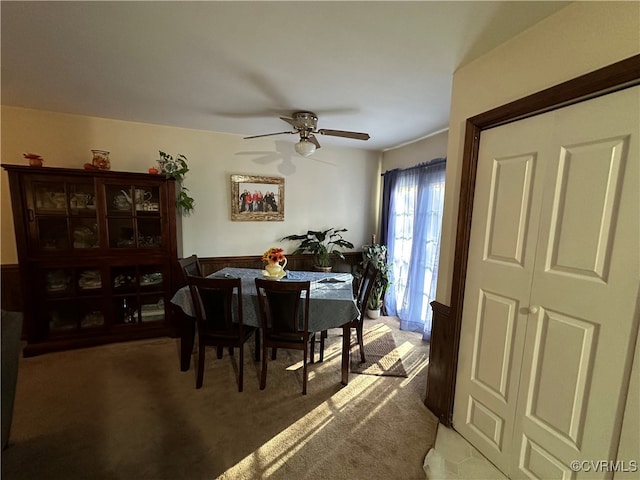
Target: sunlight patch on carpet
{"x": 383, "y": 357}
{"x": 298, "y": 437}
{"x": 318, "y": 436}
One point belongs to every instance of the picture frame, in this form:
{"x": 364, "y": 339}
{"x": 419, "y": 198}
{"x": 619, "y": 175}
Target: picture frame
{"x": 266, "y": 201}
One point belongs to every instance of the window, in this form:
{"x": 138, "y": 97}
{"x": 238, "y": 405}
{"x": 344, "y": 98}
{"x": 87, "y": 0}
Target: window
{"x": 414, "y": 202}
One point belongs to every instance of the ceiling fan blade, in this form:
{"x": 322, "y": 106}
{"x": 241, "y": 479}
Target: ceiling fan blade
{"x": 290, "y": 121}
{"x": 342, "y": 133}
{"x": 314, "y": 140}
{"x": 269, "y": 134}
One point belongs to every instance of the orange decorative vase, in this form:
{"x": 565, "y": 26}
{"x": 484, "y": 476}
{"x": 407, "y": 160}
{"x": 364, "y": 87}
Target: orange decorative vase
{"x": 35, "y": 160}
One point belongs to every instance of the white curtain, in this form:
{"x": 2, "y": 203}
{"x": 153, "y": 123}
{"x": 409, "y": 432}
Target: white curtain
{"x": 414, "y": 221}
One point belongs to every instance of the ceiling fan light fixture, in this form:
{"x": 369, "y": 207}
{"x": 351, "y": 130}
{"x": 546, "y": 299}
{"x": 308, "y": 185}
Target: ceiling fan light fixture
{"x": 305, "y": 148}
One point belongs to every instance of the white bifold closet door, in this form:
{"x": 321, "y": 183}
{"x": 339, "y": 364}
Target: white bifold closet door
{"x": 551, "y": 304}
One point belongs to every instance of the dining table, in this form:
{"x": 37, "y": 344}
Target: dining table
{"x": 331, "y": 305}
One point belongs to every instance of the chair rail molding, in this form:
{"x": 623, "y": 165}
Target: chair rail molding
{"x": 12, "y": 294}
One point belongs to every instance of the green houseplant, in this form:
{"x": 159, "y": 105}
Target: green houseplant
{"x": 322, "y": 244}
{"x": 177, "y": 168}
{"x": 377, "y": 254}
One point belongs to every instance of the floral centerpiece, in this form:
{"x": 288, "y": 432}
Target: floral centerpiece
{"x": 274, "y": 257}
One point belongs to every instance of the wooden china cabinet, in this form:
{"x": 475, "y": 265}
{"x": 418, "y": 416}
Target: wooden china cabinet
{"x": 97, "y": 252}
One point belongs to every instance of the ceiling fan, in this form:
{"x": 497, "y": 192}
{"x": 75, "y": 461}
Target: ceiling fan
{"x": 306, "y": 125}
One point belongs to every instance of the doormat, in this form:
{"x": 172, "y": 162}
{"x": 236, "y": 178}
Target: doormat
{"x": 381, "y": 354}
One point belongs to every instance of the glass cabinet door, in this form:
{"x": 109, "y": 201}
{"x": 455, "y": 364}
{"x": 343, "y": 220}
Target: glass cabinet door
{"x": 69, "y": 317}
{"x": 62, "y": 214}
{"x": 50, "y": 197}
{"x": 152, "y": 309}
{"x": 133, "y": 216}
{"x": 51, "y": 233}
{"x": 152, "y": 283}
{"x": 73, "y": 300}
{"x": 138, "y": 294}
{"x": 89, "y": 280}
{"x": 84, "y": 233}
{"x": 72, "y": 281}
{"x": 59, "y": 281}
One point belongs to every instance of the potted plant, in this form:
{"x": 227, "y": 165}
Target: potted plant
{"x": 322, "y": 244}
{"x": 177, "y": 168}
{"x": 377, "y": 254}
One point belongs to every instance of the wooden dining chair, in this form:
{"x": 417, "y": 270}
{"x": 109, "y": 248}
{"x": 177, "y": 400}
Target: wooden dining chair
{"x": 362, "y": 298}
{"x": 323, "y": 336}
{"x": 218, "y": 307}
{"x": 284, "y": 320}
{"x": 190, "y": 266}
{"x": 361, "y": 295}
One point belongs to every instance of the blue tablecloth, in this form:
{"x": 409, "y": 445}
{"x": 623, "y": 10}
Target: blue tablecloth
{"x": 331, "y": 302}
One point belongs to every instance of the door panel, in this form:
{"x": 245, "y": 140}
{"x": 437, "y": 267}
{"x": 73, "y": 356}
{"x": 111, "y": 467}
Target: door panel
{"x": 510, "y": 195}
{"x": 585, "y": 283}
{"x": 486, "y": 424}
{"x": 536, "y": 462}
{"x": 493, "y": 341}
{"x": 561, "y": 370}
{"x": 587, "y": 188}
{"x": 499, "y": 275}
{"x": 550, "y": 311}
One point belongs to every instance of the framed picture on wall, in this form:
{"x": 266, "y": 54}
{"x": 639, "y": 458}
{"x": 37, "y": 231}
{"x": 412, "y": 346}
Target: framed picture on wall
{"x": 256, "y": 198}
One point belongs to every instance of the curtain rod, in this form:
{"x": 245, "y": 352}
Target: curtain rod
{"x": 430, "y": 163}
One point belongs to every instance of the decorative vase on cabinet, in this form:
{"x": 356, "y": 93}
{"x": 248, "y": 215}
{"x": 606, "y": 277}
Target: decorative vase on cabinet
{"x": 101, "y": 160}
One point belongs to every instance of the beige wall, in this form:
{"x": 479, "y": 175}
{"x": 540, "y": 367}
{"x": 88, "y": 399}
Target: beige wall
{"x": 335, "y": 187}
{"x": 423, "y": 150}
{"x": 580, "y": 38}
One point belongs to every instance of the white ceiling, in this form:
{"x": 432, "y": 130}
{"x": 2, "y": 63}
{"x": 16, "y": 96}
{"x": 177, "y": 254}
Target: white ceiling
{"x": 379, "y": 67}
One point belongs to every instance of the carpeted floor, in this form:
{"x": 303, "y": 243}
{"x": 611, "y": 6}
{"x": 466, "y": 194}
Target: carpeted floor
{"x": 382, "y": 355}
{"x": 125, "y": 411}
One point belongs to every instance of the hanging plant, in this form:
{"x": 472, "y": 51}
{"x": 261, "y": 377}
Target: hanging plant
{"x": 177, "y": 168}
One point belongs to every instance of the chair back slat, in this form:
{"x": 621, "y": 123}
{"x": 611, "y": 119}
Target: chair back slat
{"x": 283, "y": 309}
{"x": 283, "y": 322}
{"x": 192, "y": 269}
{"x": 190, "y": 266}
{"x": 217, "y": 308}
{"x": 366, "y": 286}
{"x": 357, "y": 286}
{"x": 280, "y": 303}
{"x": 214, "y": 305}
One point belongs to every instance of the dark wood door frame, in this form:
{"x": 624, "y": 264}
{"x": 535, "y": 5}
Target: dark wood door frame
{"x": 609, "y": 79}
